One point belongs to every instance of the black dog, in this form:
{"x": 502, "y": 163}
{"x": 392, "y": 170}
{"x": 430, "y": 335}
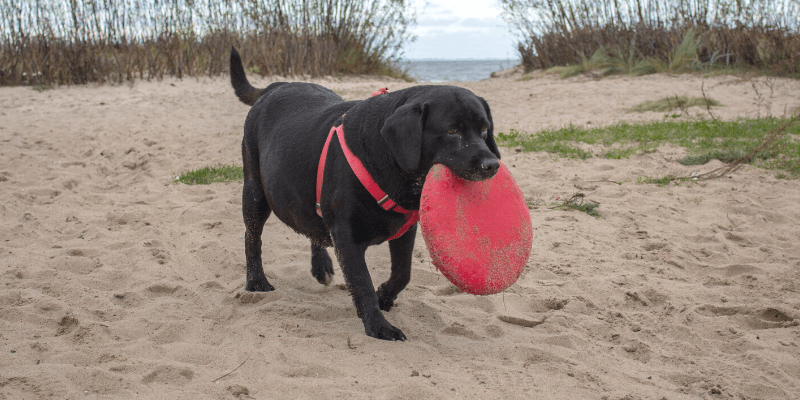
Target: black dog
{"x": 397, "y": 136}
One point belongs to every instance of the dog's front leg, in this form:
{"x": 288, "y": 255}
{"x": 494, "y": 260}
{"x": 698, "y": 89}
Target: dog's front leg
{"x": 356, "y": 274}
{"x": 401, "y": 250}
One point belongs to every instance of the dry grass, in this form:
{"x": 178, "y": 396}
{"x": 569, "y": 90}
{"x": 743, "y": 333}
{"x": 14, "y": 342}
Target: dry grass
{"x": 674, "y": 103}
{"x": 52, "y": 42}
{"x": 648, "y": 36}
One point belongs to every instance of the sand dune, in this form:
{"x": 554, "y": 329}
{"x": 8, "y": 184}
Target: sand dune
{"x": 118, "y": 283}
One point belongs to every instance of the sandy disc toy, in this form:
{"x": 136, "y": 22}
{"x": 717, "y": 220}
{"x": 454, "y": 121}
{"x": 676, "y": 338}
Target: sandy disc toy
{"x": 479, "y": 234}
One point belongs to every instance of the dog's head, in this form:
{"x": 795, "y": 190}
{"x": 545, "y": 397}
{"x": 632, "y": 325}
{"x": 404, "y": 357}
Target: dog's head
{"x": 446, "y": 125}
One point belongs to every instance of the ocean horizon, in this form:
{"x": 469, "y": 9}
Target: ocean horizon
{"x": 460, "y": 70}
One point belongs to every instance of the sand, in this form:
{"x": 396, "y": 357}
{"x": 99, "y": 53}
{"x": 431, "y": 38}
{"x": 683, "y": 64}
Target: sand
{"x": 115, "y": 282}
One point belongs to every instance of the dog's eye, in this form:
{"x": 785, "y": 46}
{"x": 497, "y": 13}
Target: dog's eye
{"x": 485, "y": 132}
{"x": 452, "y": 131}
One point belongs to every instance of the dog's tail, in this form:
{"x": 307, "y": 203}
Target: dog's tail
{"x": 246, "y": 92}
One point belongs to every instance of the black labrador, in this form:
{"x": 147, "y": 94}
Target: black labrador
{"x": 397, "y": 136}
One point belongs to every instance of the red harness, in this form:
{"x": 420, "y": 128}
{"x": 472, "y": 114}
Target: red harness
{"x": 363, "y": 176}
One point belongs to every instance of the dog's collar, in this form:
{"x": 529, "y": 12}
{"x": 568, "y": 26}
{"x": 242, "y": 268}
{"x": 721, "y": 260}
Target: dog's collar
{"x": 364, "y": 177}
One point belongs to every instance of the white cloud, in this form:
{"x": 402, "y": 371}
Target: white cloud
{"x": 463, "y": 8}
{"x": 460, "y": 29}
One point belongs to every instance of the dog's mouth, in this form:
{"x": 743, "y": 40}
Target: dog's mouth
{"x": 478, "y": 170}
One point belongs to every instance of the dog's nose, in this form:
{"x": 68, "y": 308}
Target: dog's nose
{"x": 490, "y": 166}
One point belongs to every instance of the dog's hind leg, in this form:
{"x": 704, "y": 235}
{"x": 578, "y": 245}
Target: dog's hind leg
{"x": 321, "y": 265}
{"x": 400, "y": 250}
{"x": 255, "y": 211}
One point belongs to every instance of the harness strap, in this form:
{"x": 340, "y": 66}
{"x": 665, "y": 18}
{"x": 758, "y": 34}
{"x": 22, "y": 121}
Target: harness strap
{"x": 321, "y": 168}
{"x": 380, "y": 91}
{"x": 364, "y": 177}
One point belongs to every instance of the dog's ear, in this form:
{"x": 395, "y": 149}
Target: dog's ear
{"x": 490, "y": 137}
{"x": 402, "y": 131}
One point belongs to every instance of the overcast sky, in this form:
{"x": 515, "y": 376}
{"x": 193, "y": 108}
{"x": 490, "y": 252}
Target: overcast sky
{"x": 459, "y": 29}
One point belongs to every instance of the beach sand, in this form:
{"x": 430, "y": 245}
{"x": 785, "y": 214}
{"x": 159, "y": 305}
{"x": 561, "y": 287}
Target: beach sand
{"x": 116, "y": 282}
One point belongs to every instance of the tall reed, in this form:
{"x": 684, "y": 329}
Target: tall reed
{"x": 81, "y": 41}
{"x": 763, "y": 34}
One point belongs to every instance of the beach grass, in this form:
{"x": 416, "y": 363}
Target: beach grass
{"x": 639, "y": 37}
{"x": 607, "y": 61}
{"x": 663, "y": 180}
{"x": 674, "y": 103}
{"x": 727, "y": 141}
{"x": 59, "y": 42}
{"x": 42, "y": 88}
{"x": 684, "y": 57}
{"x": 210, "y": 174}
{"x": 704, "y": 140}
{"x": 576, "y": 202}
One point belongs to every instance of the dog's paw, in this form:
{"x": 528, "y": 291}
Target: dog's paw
{"x": 385, "y": 304}
{"x": 384, "y": 331}
{"x": 384, "y": 301}
{"x": 259, "y": 286}
{"x": 322, "y": 268}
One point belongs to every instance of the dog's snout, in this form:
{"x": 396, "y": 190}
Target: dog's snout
{"x": 490, "y": 166}
{"x": 481, "y": 169}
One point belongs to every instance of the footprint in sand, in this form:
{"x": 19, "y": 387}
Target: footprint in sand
{"x": 649, "y": 297}
{"x": 765, "y": 318}
{"x": 168, "y": 289}
{"x": 446, "y": 290}
{"x": 545, "y": 305}
{"x": 311, "y": 371}
{"x": 239, "y": 391}
{"x": 737, "y": 238}
{"x": 161, "y": 255}
{"x": 636, "y": 350}
{"x": 426, "y": 314}
{"x": 533, "y": 355}
{"x": 140, "y": 163}
{"x": 212, "y": 285}
{"x": 76, "y": 261}
{"x": 127, "y": 299}
{"x": 67, "y": 324}
{"x": 169, "y": 375}
{"x": 735, "y": 270}
{"x": 156, "y": 249}
{"x": 95, "y": 334}
{"x": 210, "y": 224}
{"x": 770, "y": 318}
{"x": 70, "y": 184}
{"x": 456, "y": 329}
{"x": 494, "y": 331}
{"x": 256, "y": 297}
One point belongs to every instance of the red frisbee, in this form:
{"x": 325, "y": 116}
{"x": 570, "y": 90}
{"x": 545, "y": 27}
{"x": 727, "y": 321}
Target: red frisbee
{"x": 479, "y": 234}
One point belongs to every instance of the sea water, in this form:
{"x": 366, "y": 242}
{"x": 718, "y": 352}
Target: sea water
{"x": 454, "y": 70}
